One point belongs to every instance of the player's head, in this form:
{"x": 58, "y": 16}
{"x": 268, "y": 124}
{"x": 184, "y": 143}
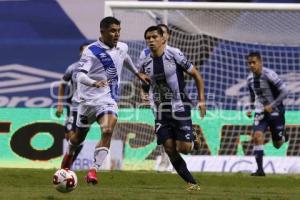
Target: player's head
{"x": 254, "y": 62}
{"x": 110, "y": 28}
{"x": 166, "y": 31}
{"x": 154, "y": 38}
{"x": 82, "y": 47}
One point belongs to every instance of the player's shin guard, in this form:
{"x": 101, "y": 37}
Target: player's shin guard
{"x": 259, "y": 153}
{"x": 99, "y": 157}
{"x": 181, "y": 168}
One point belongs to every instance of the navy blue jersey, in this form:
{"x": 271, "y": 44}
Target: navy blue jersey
{"x": 167, "y": 91}
{"x": 267, "y": 89}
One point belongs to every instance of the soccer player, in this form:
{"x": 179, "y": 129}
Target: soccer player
{"x": 72, "y": 98}
{"x": 164, "y": 162}
{"x": 98, "y": 80}
{"x": 267, "y": 92}
{"x": 171, "y": 106}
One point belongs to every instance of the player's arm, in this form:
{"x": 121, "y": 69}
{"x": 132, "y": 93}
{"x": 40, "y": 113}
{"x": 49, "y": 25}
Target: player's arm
{"x": 252, "y": 100}
{"x": 282, "y": 88}
{"x": 188, "y": 67}
{"x": 85, "y": 64}
{"x": 144, "y": 92}
{"x": 200, "y": 88}
{"x": 61, "y": 91}
{"x": 131, "y": 67}
{"x": 83, "y": 78}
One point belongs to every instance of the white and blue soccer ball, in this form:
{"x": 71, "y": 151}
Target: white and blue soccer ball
{"x": 64, "y": 180}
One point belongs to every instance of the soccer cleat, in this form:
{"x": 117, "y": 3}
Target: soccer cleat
{"x": 91, "y": 177}
{"x": 193, "y": 187}
{"x": 67, "y": 161}
{"x": 258, "y": 173}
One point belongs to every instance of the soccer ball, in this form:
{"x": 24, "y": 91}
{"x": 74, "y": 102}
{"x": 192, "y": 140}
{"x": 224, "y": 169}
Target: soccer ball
{"x": 64, "y": 180}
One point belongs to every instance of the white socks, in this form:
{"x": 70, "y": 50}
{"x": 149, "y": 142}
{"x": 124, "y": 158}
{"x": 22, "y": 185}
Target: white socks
{"x": 99, "y": 157}
{"x": 258, "y": 147}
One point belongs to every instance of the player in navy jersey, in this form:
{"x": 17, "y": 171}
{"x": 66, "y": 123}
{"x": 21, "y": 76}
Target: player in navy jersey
{"x": 98, "y": 81}
{"x": 267, "y": 92}
{"x": 164, "y": 162}
{"x": 165, "y": 66}
{"x": 68, "y": 90}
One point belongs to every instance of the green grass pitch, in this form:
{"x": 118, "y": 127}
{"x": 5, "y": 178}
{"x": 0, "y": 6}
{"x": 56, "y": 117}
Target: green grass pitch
{"x": 36, "y": 184}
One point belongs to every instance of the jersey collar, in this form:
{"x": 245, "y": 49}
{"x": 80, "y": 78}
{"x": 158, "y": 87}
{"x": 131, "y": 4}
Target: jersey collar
{"x": 104, "y": 45}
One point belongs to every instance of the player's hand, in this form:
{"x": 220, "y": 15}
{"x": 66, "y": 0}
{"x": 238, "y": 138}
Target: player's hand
{"x": 202, "y": 108}
{"x": 268, "y": 108}
{"x": 249, "y": 114}
{"x": 144, "y": 78}
{"x": 99, "y": 84}
{"x": 144, "y": 96}
{"x": 59, "y": 111}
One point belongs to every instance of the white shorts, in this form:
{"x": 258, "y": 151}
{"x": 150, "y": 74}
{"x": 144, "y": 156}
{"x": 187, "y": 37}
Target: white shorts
{"x": 88, "y": 114}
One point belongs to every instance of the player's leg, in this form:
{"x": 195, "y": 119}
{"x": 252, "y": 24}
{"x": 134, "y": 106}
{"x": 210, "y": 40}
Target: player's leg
{"x": 73, "y": 130}
{"x": 179, "y": 164}
{"x": 164, "y": 162}
{"x": 277, "y": 128}
{"x": 107, "y": 119}
{"x": 259, "y": 127}
{"x": 107, "y": 124}
{"x": 83, "y": 122}
{"x": 184, "y": 134}
{"x": 165, "y": 135}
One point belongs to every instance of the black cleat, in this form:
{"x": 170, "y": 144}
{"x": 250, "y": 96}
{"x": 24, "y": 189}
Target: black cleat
{"x": 258, "y": 173}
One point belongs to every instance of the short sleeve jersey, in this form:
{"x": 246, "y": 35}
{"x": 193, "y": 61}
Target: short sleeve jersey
{"x": 102, "y": 63}
{"x": 265, "y": 88}
{"x": 167, "y": 78}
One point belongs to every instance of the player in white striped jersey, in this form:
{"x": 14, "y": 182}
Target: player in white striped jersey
{"x": 267, "y": 92}
{"x": 68, "y": 90}
{"x": 98, "y": 80}
{"x": 165, "y": 66}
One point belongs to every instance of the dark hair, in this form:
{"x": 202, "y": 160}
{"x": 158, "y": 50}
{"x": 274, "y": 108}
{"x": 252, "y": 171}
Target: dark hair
{"x": 154, "y": 28}
{"x": 82, "y": 46}
{"x": 254, "y": 54}
{"x": 166, "y": 27}
{"x": 107, "y": 22}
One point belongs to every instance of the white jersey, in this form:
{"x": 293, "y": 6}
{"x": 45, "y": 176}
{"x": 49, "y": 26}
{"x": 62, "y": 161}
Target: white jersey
{"x": 101, "y": 63}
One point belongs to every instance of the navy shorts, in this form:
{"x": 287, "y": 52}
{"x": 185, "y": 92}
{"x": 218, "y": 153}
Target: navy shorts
{"x": 177, "y": 126}
{"x": 70, "y": 124}
{"x": 274, "y": 121}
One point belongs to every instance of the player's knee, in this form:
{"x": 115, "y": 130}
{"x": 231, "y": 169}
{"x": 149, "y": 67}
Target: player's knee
{"x": 169, "y": 150}
{"x": 78, "y": 137}
{"x": 258, "y": 137}
{"x": 75, "y": 140}
{"x": 185, "y": 149}
{"x": 107, "y": 131}
{"x": 277, "y": 144}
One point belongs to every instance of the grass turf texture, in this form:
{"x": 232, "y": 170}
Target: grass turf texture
{"x": 17, "y": 184}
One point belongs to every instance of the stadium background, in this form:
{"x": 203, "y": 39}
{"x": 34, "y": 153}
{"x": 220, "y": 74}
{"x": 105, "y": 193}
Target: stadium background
{"x": 35, "y": 50}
